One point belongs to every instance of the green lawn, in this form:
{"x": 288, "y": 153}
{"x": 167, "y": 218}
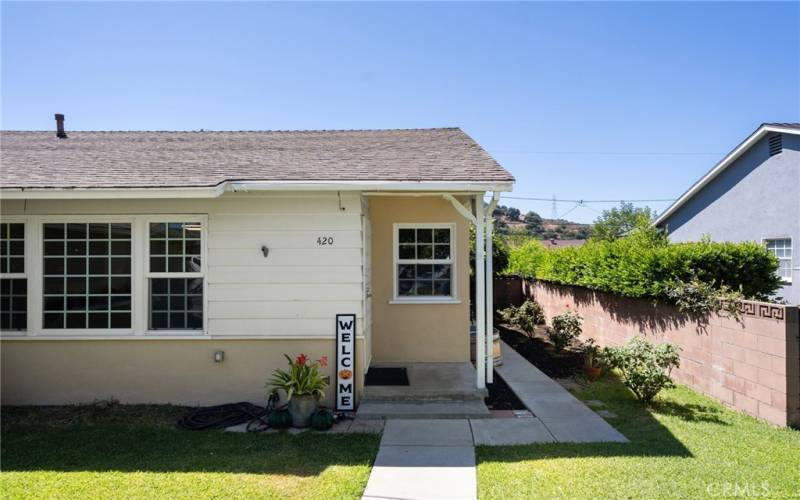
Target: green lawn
{"x": 135, "y": 452}
{"x": 685, "y": 446}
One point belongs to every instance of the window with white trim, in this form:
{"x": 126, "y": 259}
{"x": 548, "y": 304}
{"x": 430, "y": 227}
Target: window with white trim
{"x": 175, "y": 275}
{"x": 13, "y": 279}
{"x": 782, "y": 249}
{"x": 424, "y": 259}
{"x": 87, "y": 275}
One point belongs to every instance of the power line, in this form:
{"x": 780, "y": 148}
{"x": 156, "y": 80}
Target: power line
{"x": 618, "y": 200}
{"x": 568, "y": 211}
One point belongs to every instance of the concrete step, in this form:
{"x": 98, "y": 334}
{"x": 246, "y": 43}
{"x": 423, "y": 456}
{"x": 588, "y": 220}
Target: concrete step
{"x": 423, "y": 409}
{"x": 386, "y": 393}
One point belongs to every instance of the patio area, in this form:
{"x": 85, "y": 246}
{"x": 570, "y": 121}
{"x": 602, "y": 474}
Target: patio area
{"x": 434, "y": 390}
{"x": 447, "y": 391}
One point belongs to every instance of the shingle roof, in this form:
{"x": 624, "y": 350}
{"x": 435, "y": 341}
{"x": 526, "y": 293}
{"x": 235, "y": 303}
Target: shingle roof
{"x": 190, "y": 159}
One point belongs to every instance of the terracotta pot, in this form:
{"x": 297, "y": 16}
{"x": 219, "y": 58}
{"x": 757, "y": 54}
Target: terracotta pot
{"x": 301, "y": 408}
{"x": 593, "y": 372}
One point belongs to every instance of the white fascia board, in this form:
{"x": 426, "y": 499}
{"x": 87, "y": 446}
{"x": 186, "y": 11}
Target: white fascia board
{"x": 248, "y": 186}
{"x": 109, "y": 193}
{"x": 721, "y": 166}
{"x": 371, "y": 186}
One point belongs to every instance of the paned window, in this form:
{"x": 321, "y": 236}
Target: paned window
{"x": 424, "y": 261}
{"x": 86, "y": 275}
{"x": 176, "y": 276}
{"x": 782, "y": 248}
{"x": 13, "y": 280}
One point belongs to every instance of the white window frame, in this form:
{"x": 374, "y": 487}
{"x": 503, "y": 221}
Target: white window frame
{"x": 148, "y": 275}
{"x": 453, "y": 261}
{"x": 18, "y": 219}
{"x": 37, "y": 287}
{"x": 764, "y": 241}
{"x": 140, "y": 249}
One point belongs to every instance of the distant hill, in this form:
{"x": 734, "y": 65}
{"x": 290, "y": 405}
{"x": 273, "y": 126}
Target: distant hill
{"x": 511, "y": 220}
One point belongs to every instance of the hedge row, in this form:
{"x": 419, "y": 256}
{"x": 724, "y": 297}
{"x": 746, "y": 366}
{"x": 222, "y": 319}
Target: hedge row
{"x": 646, "y": 265}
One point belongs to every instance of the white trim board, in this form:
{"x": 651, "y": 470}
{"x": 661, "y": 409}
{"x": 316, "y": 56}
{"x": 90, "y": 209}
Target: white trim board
{"x": 251, "y": 186}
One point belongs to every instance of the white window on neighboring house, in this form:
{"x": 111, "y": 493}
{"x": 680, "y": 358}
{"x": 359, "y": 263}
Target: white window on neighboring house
{"x": 424, "y": 262}
{"x": 782, "y": 248}
{"x": 13, "y": 278}
{"x": 87, "y": 275}
{"x": 176, "y": 264}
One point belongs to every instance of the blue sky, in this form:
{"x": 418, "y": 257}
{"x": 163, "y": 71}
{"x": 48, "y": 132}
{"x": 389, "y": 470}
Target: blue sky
{"x": 582, "y": 100}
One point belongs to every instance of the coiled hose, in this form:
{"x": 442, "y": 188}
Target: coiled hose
{"x": 228, "y": 415}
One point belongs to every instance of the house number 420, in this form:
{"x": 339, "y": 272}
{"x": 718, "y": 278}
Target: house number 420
{"x": 324, "y": 241}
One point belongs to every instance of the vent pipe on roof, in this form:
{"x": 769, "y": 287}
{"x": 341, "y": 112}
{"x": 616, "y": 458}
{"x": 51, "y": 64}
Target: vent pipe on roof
{"x": 60, "y": 126}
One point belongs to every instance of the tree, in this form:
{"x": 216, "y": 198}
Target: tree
{"x": 513, "y": 213}
{"x": 619, "y": 221}
{"x": 533, "y": 222}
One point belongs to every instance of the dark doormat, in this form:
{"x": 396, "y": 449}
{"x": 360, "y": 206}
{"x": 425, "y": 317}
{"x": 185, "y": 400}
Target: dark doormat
{"x": 386, "y": 376}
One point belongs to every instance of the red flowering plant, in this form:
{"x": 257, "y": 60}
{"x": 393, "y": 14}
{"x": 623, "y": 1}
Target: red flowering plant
{"x": 302, "y": 378}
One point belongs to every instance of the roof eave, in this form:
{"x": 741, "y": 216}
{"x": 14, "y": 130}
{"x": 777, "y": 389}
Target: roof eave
{"x": 722, "y": 165}
{"x": 248, "y": 186}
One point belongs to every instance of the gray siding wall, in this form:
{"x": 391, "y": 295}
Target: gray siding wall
{"x": 756, "y": 197}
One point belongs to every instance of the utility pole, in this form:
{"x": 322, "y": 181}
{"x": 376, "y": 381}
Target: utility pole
{"x": 554, "y": 212}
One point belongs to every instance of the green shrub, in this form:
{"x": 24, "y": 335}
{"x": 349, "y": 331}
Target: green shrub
{"x": 697, "y": 297}
{"x": 526, "y": 259}
{"x": 645, "y": 264}
{"x": 645, "y": 367}
{"x": 524, "y": 317}
{"x": 565, "y": 328}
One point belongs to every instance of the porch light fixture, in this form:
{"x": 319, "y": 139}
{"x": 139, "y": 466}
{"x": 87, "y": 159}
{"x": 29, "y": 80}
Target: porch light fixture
{"x": 219, "y": 356}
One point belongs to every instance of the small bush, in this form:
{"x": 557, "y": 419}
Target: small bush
{"x": 565, "y": 328}
{"x": 524, "y": 317}
{"x": 645, "y": 367}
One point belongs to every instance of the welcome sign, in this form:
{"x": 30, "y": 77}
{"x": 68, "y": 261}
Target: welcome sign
{"x": 345, "y": 361}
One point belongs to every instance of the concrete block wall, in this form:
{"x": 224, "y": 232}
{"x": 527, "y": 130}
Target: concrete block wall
{"x": 752, "y": 364}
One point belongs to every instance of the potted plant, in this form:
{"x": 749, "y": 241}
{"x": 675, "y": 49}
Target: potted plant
{"x": 303, "y": 386}
{"x": 592, "y": 359}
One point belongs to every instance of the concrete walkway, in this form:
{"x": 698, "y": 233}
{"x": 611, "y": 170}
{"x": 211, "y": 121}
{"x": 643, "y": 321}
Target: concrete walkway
{"x": 435, "y": 458}
{"x": 565, "y": 417}
{"x": 421, "y": 459}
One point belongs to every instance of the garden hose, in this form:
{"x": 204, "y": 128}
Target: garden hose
{"x": 228, "y": 415}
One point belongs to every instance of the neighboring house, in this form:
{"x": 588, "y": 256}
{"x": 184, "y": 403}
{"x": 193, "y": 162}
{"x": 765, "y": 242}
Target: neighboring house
{"x": 556, "y": 243}
{"x": 179, "y": 267}
{"x": 753, "y": 194}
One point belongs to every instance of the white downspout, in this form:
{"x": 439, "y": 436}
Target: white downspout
{"x": 480, "y": 294}
{"x": 490, "y": 289}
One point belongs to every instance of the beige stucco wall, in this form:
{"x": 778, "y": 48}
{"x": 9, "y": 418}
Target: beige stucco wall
{"x": 47, "y": 372}
{"x": 416, "y": 332}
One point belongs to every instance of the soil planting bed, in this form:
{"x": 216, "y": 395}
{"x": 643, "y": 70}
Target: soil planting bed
{"x": 541, "y": 353}
{"x": 501, "y": 397}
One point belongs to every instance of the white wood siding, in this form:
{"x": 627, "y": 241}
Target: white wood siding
{"x": 298, "y": 289}
{"x": 294, "y": 292}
